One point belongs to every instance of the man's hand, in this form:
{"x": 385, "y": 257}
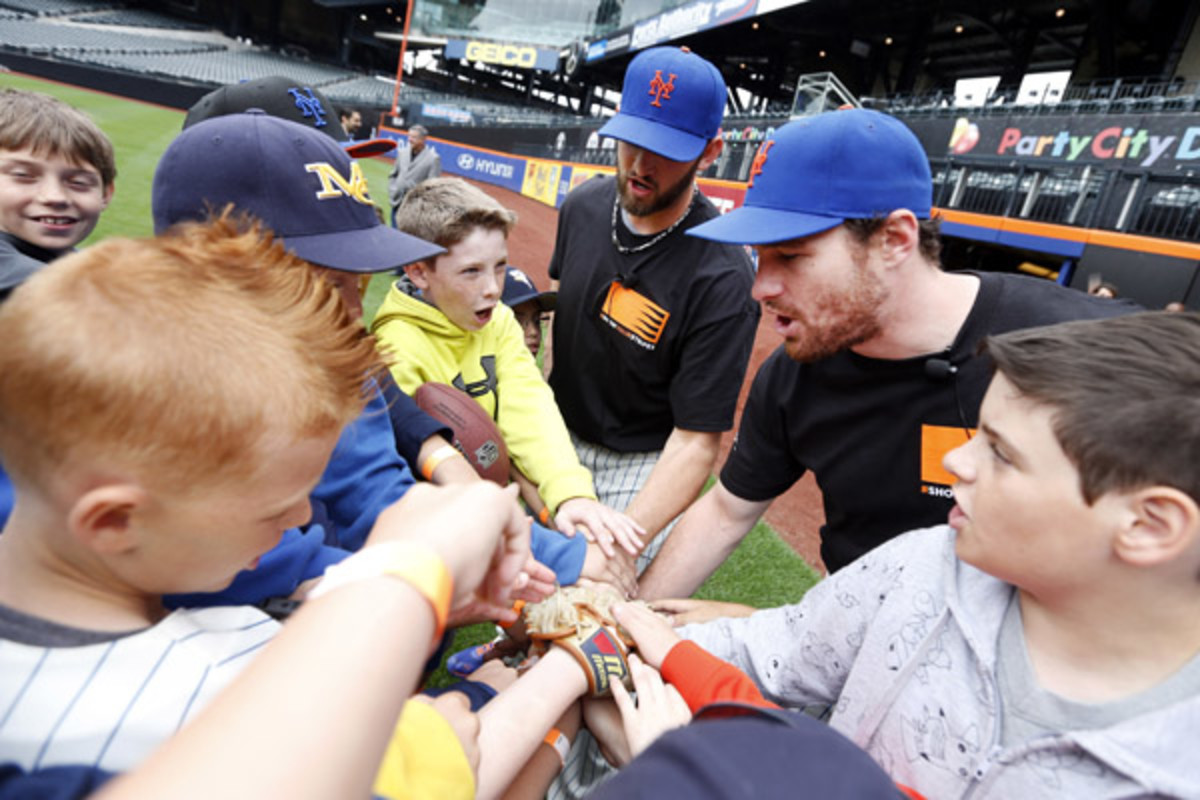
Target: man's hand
{"x": 600, "y": 524}
{"x": 659, "y": 707}
{"x": 654, "y": 635}
{"x": 686, "y": 611}
{"x": 618, "y": 571}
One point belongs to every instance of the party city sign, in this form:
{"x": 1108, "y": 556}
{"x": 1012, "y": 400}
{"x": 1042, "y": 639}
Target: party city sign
{"x": 1159, "y": 141}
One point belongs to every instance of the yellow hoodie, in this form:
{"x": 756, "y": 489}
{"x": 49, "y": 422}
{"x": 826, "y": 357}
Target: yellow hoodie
{"x": 494, "y": 366}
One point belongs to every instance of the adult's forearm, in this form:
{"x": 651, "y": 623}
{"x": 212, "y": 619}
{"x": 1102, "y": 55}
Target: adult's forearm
{"x": 708, "y": 533}
{"x": 685, "y": 464}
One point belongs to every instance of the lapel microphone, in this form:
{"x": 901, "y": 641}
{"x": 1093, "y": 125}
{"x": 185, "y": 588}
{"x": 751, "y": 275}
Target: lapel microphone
{"x": 939, "y": 369}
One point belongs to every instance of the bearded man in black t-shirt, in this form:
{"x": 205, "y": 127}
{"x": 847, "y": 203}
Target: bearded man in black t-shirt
{"x": 653, "y": 329}
{"x": 877, "y": 377}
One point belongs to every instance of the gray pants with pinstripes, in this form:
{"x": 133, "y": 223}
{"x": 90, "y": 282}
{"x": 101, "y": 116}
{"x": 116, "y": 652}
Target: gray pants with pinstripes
{"x": 618, "y": 478}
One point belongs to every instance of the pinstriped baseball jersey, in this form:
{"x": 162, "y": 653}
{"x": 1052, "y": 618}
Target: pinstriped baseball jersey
{"x": 108, "y": 705}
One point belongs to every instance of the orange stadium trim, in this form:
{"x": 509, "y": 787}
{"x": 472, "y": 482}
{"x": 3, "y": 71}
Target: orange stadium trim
{"x": 1100, "y": 238}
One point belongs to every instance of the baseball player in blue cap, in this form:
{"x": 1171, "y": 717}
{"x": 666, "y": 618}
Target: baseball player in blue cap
{"x": 877, "y": 377}
{"x": 653, "y": 329}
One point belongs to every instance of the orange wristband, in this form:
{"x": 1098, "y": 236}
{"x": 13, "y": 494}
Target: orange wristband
{"x": 436, "y": 458}
{"x": 559, "y": 742}
{"x": 418, "y": 565}
{"x": 544, "y": 516}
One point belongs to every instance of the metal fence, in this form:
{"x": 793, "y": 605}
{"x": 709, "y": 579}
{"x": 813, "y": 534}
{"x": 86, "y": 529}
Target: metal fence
{"x": 1129, "y": 201}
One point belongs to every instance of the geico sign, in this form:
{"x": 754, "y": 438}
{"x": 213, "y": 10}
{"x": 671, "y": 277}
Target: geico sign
{"x": 506, "y": 54}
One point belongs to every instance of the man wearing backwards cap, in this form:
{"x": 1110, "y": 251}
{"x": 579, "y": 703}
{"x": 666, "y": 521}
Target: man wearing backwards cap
{"x": 877, "y": 376}
{"x": 653, "y": 329}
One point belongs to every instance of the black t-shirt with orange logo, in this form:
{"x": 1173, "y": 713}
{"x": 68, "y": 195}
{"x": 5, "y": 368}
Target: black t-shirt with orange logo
{"x": 649, "y": 341}
{"x": 874, "y": 431}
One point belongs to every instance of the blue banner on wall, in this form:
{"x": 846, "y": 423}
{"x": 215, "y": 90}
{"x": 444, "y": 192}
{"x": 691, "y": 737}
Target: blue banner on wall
{"x": 482, "y": 165}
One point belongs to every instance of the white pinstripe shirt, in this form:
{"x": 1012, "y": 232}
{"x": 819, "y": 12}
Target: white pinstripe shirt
{"x": 108, "y": 705}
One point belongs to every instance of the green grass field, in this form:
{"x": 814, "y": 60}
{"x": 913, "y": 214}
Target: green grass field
{"x": 763, "y": 571}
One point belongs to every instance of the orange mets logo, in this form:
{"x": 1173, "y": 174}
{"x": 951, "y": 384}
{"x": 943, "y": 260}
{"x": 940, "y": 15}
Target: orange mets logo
{"x": 760, "y": 159}
{"x": 661, "y": 89}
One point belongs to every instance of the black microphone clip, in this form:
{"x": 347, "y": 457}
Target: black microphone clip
{"x": 939, "y": 369}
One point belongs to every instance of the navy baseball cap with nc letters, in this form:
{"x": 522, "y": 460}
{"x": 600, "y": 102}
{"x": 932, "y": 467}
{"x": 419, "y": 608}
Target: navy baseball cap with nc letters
{"x": 298, "y": 181}
{"x": 672, "y": 103}
{"x": 815, "y": 173}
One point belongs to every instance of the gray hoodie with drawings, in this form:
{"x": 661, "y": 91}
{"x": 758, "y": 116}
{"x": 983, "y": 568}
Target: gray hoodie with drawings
{"x": 902, "y": 643}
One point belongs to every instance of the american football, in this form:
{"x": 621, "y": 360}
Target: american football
{"x": 475, "y": 435}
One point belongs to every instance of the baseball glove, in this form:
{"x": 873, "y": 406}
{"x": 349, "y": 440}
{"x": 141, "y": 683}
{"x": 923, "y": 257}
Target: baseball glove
{"x": 579, "y": 620}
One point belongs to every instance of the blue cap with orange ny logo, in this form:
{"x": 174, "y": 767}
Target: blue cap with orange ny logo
{"x": 819, "y": 171}
{"x": 672, "y": 104}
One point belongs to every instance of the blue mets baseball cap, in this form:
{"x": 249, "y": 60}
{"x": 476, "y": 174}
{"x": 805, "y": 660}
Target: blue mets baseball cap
{"x": 298, "y": 181}
{"x": 672, "y": 103}
{"x": 287, "y": 99}
{"x": 820, "y": 171}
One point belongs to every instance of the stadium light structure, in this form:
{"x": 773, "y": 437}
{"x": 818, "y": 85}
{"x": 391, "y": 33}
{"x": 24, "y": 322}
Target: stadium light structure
{"x": 400, "y": 62}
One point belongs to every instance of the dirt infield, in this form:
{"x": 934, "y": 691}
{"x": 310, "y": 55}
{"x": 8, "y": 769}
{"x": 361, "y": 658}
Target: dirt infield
{"x": 797, "y": 515}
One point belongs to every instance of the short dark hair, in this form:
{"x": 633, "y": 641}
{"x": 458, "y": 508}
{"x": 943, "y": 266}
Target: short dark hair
{"x": 930, "y": 242}
{"x": 1125, "y": 394}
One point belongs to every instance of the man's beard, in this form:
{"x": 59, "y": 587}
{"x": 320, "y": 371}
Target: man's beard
{"x": 839, "y": 321}
{"x": 662, "y": 199}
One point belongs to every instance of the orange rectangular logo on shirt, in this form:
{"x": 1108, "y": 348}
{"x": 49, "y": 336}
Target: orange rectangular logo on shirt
{"x": 635, "y": 315}
{"x": 936, "y": 442}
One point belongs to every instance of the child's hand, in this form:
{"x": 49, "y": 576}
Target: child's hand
{"x": 686, "y": 611}
{"x": 659, "y": 707}
{"x": 653, "y": 634}
{"x": 476, "y": 528}
{"x": 600, "y": 524}
{"x": 618, "y": 570}
{"x": 542, "y": 582}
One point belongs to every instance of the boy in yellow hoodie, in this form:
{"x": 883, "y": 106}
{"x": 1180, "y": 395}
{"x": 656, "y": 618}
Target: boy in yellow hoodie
{"x": 444, "y": 322}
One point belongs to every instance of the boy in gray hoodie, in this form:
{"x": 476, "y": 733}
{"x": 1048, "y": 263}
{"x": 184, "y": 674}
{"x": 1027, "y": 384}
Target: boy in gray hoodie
{"x": 1044, "y": 642}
